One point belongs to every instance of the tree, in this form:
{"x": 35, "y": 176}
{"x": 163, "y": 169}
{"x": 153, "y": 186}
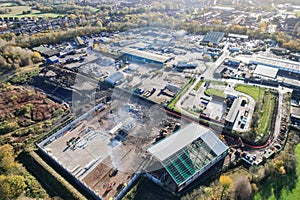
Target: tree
{"x": 36, "y": 57}
{"x": 12, "y": 186}
{"x": 225, "y": 182}
{"x": 243, "y": 189}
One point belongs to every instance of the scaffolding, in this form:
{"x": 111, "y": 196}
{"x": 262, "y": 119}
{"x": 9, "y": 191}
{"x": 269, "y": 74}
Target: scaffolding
{"x": 188, "y": 152}
{"x": 188, "y": 161}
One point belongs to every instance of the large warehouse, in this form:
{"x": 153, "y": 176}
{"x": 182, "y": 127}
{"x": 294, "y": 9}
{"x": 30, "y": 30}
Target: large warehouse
{"x": 185, "y": 155}
{"x": 266, "y": 72}
{"x": 144, "y": 56}
{"x": 280, "y": 64}
{"x": 213, "y": 37}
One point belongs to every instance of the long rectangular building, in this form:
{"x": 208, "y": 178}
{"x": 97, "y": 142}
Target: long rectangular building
{"x": 281, "y": 64}
{"x": 145, "y": 56}
{"x": 234, "y": 111}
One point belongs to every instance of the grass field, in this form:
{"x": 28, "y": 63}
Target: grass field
{"x": 256, "y": 93}
{"x": 264, "y": 123}
{"x": 17, "y": 11}
{"x": 271, "y": 191}
{"x": 216, "y": 92}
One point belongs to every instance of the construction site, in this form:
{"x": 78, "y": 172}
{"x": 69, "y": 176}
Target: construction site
{"x": 105, "y": 149}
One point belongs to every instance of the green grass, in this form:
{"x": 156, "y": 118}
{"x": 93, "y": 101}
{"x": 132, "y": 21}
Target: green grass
{"x": 256, "y": 93}
{"x": 264, "y": 123}
{"x": 216, "y": 92}
{"x": 298, "y": 13}
{"x": 173, "y": 102}
{"x": 269, "y": 192}
{"x": 198, "y": 85}
{"x": 17, "y": 11}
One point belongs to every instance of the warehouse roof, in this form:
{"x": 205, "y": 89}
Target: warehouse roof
{"x": 187, "y": 151}
{"x": 114, "y": 78}
{"x": 140, "y": 45}
{"x": 145, "y": 55}
{"x": 233, "y": 112}
{"x": 282, "y": 64}
{"x": 46, "y": 51}
{"x": 185, "y": 136}
{"x": 266, "y": 71}
{"x": 295, "y": 111}
{"x": 78, "y": 41}
{"x": 238, "y": 36}
{"x": 213, "y": 37}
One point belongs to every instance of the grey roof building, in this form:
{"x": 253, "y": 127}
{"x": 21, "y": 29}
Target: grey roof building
{"x": 213, "y": 37}
{"x": 115, "y": 78}
{"x": 188, "y": 153}
{"x": 145, "y": 56}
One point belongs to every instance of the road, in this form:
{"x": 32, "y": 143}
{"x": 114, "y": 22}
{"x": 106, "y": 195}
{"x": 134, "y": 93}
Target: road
{"x": 208, "y": 75}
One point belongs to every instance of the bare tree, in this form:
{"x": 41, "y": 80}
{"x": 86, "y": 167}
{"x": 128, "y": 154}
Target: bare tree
{"x": 242, "y": 188}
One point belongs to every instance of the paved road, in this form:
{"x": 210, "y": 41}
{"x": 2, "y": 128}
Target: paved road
{"x": 208, "y": 75}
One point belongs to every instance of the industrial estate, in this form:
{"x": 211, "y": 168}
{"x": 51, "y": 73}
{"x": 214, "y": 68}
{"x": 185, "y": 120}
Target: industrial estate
{"x": 151, "y": 111}
{"x": 139, "y": 126}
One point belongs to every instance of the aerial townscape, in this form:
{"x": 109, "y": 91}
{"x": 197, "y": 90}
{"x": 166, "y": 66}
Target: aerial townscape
{"x": 150, "y": 99}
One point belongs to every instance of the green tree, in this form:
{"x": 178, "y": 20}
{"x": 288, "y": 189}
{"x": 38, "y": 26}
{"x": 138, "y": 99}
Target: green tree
{"x": 226, "y": 183}
{"x": 12, "y": 186}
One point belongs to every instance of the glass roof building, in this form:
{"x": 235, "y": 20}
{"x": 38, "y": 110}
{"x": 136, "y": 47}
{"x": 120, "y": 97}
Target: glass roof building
{"x": 188, "y": 153}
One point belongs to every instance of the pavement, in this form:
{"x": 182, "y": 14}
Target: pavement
{"x": 208, "y": 75}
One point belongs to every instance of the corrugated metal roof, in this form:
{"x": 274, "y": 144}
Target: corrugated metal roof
{"x": 174, "y": 143}
{"x": 213, "y": 37}
{"x": 145, "y": 55}
{"x": 115, "y": 77}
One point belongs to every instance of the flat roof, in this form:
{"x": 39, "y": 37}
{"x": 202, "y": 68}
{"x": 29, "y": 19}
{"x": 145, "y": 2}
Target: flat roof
{"x": 238, "y": 36}
{"x": 295, "y": 111}
{"x": 46, "y": 51}
{"x": 185, "y": 136}
{"x": 266, "y": 71}
{"x": 282, "y": 64}
{"x": 146, "y": 55}
{"x": 233, "y": 110}
{"x": 79, "y": 41}
{"x": 140, "y": 45}
{"x": 116, "y": 76}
